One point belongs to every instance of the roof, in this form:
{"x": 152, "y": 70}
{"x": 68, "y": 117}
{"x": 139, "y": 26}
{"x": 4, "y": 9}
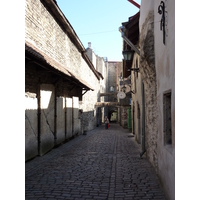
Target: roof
{"x": 45, "y": 60}
{"x": 132, "y": 33}
{"x": 132, "y": 28}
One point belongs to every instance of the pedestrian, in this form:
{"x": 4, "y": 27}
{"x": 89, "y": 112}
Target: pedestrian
{"x": 106, "y": 121}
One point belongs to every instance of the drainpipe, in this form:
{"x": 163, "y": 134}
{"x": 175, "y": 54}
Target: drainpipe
{"x": 134, "y": 3}
{"x": 143, "y": 122}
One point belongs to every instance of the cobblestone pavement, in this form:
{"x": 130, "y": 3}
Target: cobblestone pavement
{"x": 104, "y": 164}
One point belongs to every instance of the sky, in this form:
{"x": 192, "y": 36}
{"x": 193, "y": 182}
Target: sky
{"x": 98, "y": 22}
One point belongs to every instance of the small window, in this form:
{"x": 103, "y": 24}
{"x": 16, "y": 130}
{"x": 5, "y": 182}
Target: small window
{"x": 167, "y": 118}
{"x": 112, "y": 89}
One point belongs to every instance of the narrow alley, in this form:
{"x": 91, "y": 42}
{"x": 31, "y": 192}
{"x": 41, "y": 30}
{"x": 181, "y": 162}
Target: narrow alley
{"x": 104, "y": 164}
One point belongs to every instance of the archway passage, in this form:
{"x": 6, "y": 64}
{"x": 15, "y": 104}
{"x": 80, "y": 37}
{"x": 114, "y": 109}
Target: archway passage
{"x": 112, "y": 115}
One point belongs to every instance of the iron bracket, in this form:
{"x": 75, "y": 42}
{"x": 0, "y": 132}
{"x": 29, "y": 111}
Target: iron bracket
{"x": 161, "y": 11}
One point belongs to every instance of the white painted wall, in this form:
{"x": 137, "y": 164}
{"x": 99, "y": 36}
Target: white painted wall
{"x": 136, "y": 79}
{"x": 165, "y": 70}
{"x": 69, "y": 117}
{"x": 145, "y": 7}
{"x": 165, "y": 74}
{"x": 47, "y": 98}
{"x": 31, "y": 132}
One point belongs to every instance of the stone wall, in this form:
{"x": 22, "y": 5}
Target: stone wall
{"x": 60, "y": 119}
{"x": 157, "y": 67}
{"x": 137, "y": 106}
{"x": 148, "y": 72}
{"x": 112, "y": 78}
{"x": 46, "y": 34}
{"x": 93, "y": 58}
{"x": 124, "y": 116}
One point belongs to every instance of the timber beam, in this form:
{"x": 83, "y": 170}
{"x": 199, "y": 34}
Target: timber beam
{"x": 103, "y": 104}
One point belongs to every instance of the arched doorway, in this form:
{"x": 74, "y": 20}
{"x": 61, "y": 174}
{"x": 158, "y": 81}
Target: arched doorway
{"x": 113, "y": 116}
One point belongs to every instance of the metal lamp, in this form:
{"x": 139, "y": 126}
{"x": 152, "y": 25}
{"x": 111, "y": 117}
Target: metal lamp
{"x": 128, "y": 55}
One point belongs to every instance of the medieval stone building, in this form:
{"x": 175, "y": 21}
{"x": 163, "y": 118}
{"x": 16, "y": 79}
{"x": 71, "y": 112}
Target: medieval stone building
{"x": 150, "y": 35}
{"x": 110, "y": 71}
{"x": 63, "y": 81}
{"x": 59, "y": 98}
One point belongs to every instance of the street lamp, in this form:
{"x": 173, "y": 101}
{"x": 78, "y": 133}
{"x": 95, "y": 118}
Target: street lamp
{"x": 128, "y": 55}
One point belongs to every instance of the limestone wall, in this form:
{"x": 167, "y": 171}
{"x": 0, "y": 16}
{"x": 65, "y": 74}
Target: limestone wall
{"x": 148, "y": 72}
{"x": 57, "y": 122}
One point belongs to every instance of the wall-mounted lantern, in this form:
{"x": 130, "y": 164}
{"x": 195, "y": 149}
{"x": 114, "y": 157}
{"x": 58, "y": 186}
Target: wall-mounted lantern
{"x": 128, "y": 55}
{"x": 161, "y": 11}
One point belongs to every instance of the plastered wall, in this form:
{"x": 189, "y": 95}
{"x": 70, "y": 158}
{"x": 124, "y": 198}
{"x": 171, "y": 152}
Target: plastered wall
{"x": 158, "y": 70}
{"x": 47, "y": 98}
{"x": 31, "y": 132}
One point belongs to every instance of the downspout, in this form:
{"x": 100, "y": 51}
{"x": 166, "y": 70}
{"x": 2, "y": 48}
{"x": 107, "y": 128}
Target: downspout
{"x": 134, "y": 3}
{"x": 143, "y": 122}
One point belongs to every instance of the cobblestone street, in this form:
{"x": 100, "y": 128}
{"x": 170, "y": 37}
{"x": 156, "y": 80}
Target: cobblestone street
{"x": 104, "y": 164}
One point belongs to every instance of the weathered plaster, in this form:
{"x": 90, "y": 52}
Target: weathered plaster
{"x": 31, "y": 133}
{"x": 165, "y": 70}
{"x": 47, "y": 96}
{"x": 148, "y": 72}
{"x": 158, "y": 70}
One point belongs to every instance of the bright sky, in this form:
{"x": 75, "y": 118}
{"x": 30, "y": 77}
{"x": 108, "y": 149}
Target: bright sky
{"x": 98, "y": 22}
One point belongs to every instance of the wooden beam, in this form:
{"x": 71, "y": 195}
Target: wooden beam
{"x": 103, "y": 104}
{"x": 108, "y": 94}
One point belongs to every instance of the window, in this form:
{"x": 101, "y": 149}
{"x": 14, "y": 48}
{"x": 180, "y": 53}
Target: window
{"x": 112, "y": 89}
{"x": 167, "y": 118}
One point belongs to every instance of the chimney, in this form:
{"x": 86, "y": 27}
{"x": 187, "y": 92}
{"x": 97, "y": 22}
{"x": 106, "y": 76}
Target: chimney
{"x": 90, "y": 45}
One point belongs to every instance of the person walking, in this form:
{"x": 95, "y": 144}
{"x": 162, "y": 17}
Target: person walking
{"x": 106, "y": 121}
